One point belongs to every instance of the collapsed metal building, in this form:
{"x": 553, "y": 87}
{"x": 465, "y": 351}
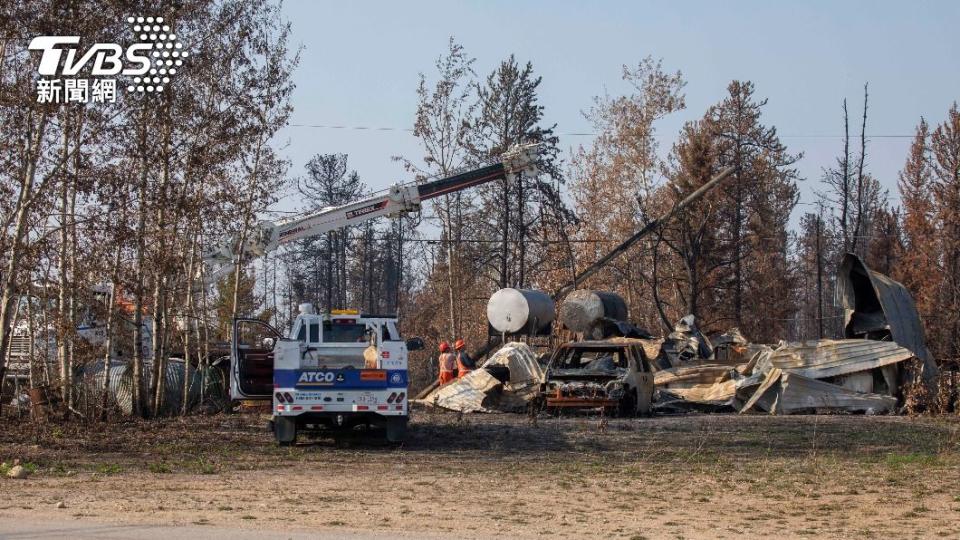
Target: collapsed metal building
{"x": 864, "y": 372}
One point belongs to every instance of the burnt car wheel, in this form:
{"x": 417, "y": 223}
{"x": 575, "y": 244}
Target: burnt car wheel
{"x": 645, "y": 410}
{"x": 628, "y": 404}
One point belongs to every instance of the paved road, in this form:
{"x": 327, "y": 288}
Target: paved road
{"x": 17, "y": 529}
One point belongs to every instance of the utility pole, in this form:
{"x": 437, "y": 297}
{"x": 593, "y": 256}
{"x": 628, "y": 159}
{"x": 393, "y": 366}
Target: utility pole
{"x": 819, "y": 282}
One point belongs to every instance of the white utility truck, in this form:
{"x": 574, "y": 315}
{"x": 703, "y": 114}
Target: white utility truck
{"x": 341, "y": 369}
{"x": 334, "y": 371}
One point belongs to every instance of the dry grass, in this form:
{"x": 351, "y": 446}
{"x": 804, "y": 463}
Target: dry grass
{"x": 690, "y": 476}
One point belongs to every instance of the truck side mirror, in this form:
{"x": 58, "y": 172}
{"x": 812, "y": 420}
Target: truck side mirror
{"x": 415, "y": 344}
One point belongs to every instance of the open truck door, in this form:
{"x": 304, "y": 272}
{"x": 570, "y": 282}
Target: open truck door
{"x": 251, "y": 359}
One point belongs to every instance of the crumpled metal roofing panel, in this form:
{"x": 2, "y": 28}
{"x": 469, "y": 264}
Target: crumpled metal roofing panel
{"x": 521, "y": 361}
{"x": 467, "y": 394}
{"x": 480, "y": 391}
{"x": 896, "y": 304}
{"x": 828, "y": 358}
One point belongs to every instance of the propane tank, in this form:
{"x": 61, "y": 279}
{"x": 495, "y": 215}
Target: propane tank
{"x": 582, "y": 309}
{"x": 512, "y": 311}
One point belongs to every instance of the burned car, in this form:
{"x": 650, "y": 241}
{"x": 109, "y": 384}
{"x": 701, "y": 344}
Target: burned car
{"x": 612, "y": 375}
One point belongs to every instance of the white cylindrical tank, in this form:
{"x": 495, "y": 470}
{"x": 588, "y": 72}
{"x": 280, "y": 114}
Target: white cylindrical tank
{"x": 519, "y": 310}
{"x": 582, "y": 309}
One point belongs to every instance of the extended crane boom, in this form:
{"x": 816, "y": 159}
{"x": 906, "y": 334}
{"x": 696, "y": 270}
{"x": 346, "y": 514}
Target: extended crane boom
{"x": 398, "y": 200}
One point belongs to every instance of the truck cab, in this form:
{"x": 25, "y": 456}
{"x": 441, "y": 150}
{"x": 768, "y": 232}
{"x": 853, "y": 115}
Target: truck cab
{"x": 334, "y": 371}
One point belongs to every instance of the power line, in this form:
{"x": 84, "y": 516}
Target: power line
{"x": 366, "y": 128}
{"x": 358, "y": 238}
{"x": 593, "y": 134}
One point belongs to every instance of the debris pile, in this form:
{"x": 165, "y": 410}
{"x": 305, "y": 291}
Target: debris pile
{"x": 706, "y": 388}
{"x": 861, "y": 374}
{"x": 850, "y": 375}
{"x": 853, "y": 375}
{"x": 506, "y": 382}
{"x": 732, "y": 348}
{"x": 686, "y": 343}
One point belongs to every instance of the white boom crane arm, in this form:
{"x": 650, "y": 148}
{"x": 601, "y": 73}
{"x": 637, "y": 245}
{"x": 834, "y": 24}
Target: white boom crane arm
{"x": 399, "y": 199}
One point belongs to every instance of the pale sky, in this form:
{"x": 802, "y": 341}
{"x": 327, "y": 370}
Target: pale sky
{"x": 361, "y": 60}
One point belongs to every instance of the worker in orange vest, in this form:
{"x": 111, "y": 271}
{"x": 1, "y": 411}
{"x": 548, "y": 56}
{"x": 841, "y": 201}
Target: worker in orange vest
{"x": 448, "y": 363}
{"x": 465, "y": 364}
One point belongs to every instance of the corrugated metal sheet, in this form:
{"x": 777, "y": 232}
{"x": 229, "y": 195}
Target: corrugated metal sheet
{"x": 480, "y": 391}
{"x": 787, "y": 393}
{"x": 829, "y": 358}
{"x": 121, "y": 384}
{"x": 691, "y": 375}
{"x": 717, "y": 394}
{"x": 521, "y": 362}
{"x": 651, "y": 347}
{"x": 801, "y": 393}
{"x": 468, "y": 394}
{"x": 873, "y": 300}
{"x": 710, "y": 384}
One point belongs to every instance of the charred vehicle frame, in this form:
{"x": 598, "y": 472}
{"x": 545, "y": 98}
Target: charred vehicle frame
{"x": 613, "y": 376}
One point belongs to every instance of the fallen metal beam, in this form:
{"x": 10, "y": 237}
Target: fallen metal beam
{"x": 647, "y": 229}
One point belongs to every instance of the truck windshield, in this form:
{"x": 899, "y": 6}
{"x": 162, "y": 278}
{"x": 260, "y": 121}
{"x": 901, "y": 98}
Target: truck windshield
{"x": 344, "y": 332}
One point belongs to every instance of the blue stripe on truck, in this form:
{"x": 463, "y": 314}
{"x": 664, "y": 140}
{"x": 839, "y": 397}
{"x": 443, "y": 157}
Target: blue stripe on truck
{"x": 341, "y": 379}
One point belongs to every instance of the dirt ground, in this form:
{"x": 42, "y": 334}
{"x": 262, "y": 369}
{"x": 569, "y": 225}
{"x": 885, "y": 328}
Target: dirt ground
{"x": 484, "y": 476}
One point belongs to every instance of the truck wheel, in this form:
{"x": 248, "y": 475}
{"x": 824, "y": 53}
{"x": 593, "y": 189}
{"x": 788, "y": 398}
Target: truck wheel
{"x": 285, "y": 430}
{"x": 396, "y": 429}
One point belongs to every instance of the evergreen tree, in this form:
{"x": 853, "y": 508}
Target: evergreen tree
{"x": 321, "y": 270}
{"x": 696, "y": 254}
{"x": 759, "y": 199}
{"x": 509, "y": 114}
{"x": 919, "y": 228}
{"x": 885, "y": 249}
{"x": 945, "y": 151}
